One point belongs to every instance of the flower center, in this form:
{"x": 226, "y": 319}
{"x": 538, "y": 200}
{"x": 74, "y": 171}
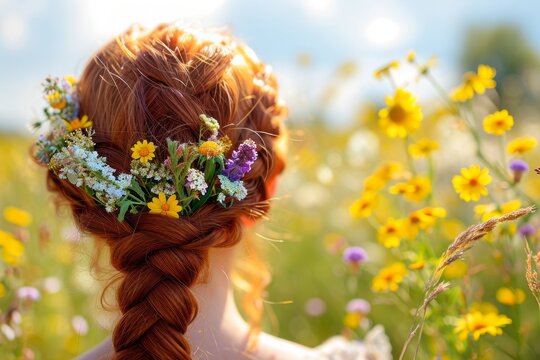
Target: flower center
{"x": 398, "y": 114}
{"x": 165, "y": 207}
{"x": 144, "y": 151}
{"x": 478, "y": 326}
{"x": 473, "y": 182}
{"x": 499, "y": 123}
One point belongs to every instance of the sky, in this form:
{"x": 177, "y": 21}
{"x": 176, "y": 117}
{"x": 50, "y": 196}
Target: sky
{"x": 55, "y": 37}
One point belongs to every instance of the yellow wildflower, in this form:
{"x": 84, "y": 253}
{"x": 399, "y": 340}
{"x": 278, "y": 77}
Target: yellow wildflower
{"x": 210, "y": 148}
{"x": 402, "y": 114}
{"x": 163, "y": 206}
{"x": 352, "y": 320}
{"x": 56, "y": 100}
{"x": 391, "y": 170}
{"x": 483, "y": 307}
{"x": 498, "y": 123}
{"x": 143, "y": 150}
{"x": 471, "y": 184}
{"x": 418, "y": 265}
{"x": 419, "y": 188}
{"x": 423, "y": 219}
{"x": 521, "y": 145}
{"x": 374, "y": 183}
{"x": 390, "y": 234}
{"x": 456, "y": 270}
{"x": 411, "y": 56}
{"x": 423, "y": 148}
{"x": 77, "y": 123}
{"x": 385, "y": 70}
{"x": 363, "y": 206}
{"x": 389, "y": 278}
{"x": 475, "y": 83}
{"x": 415, "y": 189}
{"x": 17, "y": 216}
{"x": 509, "y": 296}
{"x": 72, "y": 80}
{"x": 12, "y": 249}
{"x": 478, "y": 324}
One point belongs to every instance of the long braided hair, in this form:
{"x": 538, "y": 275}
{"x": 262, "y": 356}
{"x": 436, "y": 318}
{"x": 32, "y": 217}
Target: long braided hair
{"x": 153, "y": 84}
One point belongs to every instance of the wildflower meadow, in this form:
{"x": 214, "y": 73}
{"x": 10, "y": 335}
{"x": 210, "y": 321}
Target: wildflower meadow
{"x": 420, "y": 216}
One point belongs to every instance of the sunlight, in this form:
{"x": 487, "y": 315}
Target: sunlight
{"x": 383, "y": 31}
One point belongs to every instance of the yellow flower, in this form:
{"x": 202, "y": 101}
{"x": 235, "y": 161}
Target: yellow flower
{"x": 144, "y": 151}
{"x": 374, "y": 183}
{"x": 72, "y": 80}
{"x": 423, "y": 148}
{"x": 415, "y": 189}
{"x": 411, "y": 56}
{"x": 363, "y": 206}
{"x": 163, "y": 206}
{"x": 17, "y": 216}
{"x": 56, "y": 100}
{"x": 352, "y": 320}
{"x": 78, "y": 123}
{"x": 456, "y": 270}
{"x": 471, "y": 184}
{"x": 521, "y": 145}
{"x": 418, "y": 265}
{"x": 385, "y": 70}
{"x": 483, "y": 79}
{"x": 509, "y": 296}
{"x": 390, "y": 234}
{"x": 419, "y": 188}
{"x": 210, "y": 148}
{"x": 389, "y": 171}
{"x": 12, "y": 249}
{"x": 483, "y": 307}
{"x": 475, "y": 83}
{"x": 478, "y": 324}
{"x": 402, "y": 114}
{"x": 389, "y": 278}
{"x": 423, "y": 219}
{"x": 498, "y": 123}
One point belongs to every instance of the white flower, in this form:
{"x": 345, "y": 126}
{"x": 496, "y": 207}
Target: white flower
{"x": 195, "y": 181}
{"x": 235, "y": 189}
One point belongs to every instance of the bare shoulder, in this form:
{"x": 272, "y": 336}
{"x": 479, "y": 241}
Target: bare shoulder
{"x": 103, "y": 351}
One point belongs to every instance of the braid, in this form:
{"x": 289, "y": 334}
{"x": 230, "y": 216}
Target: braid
{"x": 153, "y": 85}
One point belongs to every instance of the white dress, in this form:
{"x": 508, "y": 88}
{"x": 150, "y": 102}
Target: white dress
{"x": 375, "y": 346}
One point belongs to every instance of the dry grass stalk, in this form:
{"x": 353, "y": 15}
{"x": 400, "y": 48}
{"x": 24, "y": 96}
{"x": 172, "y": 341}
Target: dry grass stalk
{"x": 462, "y": 243}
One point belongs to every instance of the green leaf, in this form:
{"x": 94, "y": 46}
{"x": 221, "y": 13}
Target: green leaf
{"x": 123, "y": 209}
{"x": 137, "y": 188}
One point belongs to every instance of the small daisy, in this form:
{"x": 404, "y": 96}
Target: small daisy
{"x": 163, "y": 206}
{"x": 144, "y": 151}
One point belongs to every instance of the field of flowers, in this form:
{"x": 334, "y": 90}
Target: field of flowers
{"x": 366, "y": 231}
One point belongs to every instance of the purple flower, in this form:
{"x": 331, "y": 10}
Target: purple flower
{"x": 518, "y": 167}
{"x": 358, "y": 306}
{"x": 527, "y": 230}
{"x": 28, "y": 293}
{"x": 354, "y": 255}
{"x": 241, "y": 160}
{"x": 537, "y": 170}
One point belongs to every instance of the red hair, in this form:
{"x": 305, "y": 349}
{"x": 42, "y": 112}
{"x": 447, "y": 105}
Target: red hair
{"x": 153, "y": 84}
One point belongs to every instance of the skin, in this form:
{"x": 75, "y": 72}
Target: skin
{"x": 219, "y": 331}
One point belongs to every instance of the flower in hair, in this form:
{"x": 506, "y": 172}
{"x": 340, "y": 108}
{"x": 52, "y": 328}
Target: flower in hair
{"x": 143, "y": 151}
{"x": 165, "y": 206}
{"x": 191, "y": 175}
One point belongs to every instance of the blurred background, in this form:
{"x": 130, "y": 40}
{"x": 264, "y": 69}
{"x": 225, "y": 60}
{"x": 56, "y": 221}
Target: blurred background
{"x": 324, "y": 53}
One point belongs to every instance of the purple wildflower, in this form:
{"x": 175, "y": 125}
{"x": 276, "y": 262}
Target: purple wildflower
{"x": 527, "y": 230}
{"x": 241, "y": 160}
{"x": 28, "y": 293}
{"x": 354, "y": 255}
{"x": 518, "y": 167}
{"x": 358, "y": 306}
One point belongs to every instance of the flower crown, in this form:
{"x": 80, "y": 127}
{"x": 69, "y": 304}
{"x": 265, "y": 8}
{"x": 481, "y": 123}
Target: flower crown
{"x": 191, "y": 175}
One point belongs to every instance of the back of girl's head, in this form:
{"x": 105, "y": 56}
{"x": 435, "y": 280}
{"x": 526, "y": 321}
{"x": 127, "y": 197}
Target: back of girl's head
{"x": 153, "y": 85}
